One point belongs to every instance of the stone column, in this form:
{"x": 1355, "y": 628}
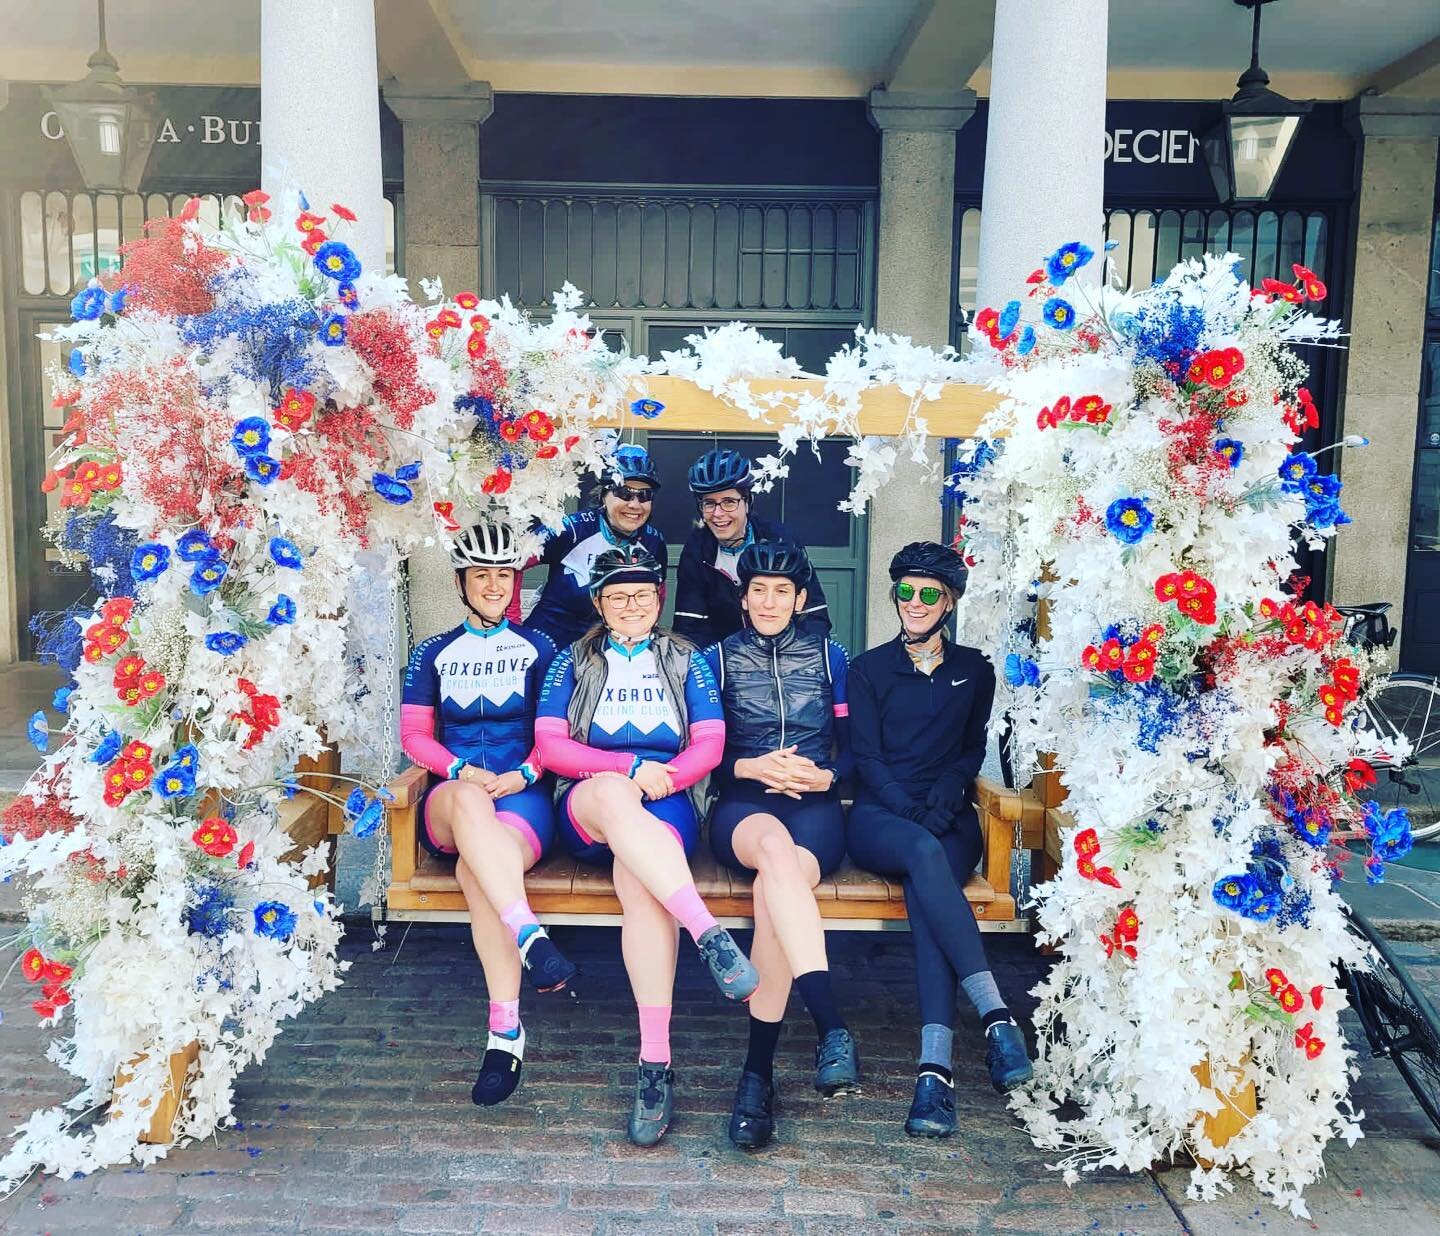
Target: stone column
{"x": 442, "y": 241}
{"x": 320, "y": 111}
{"x": 912, "y": 297}
{"x": 1387, "y": 329}
{"x": 12, "y": 553}
{"x": 1044, "y": 155}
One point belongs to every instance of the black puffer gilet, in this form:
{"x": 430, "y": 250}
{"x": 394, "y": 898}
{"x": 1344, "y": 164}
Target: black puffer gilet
{"x": 776, "y": 693}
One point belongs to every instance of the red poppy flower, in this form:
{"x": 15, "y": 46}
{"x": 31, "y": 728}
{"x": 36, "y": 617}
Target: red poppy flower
{"x": 307, "y": 221}
{"x": 1311, "y": 283}
{"x": 1112, "y": 654}
{"x": 1090, "y": 658}
{"x": 445, "y": 513}
{"x": 1330, "y": 695}
{"x": 480, "y": 324}
{"x": 511, "y": 430}
{"x": 1276, "y": 978}
{"x": 1317, "y": 995}
{"x": 313, "y": 240}
{"x": 1154, "y": 633}
{"x": 448, "y": 318}
{"x": 256, "y": 197}
{"x": 1236, "y": 398}
{"x": 467, "y": 300}
{"x": 128, "y": 669}
{"x": 1086, "y": 843}
{"x": 572, "y": 442}
{"x": 1050, "y": 418}
{"x": 1127, "y": 926}
{"x": 1106, "y": 876}
{"x": 1167, "y": 587}
{"x": 1269, "y": 608}
{"x": 1140, "y": 662}
{"x": 94, "y": 654}
{"x": 987, "y": 321}
{"x": 1359, "y": 775}
{"x": 1335, "y": 716}
{"x": 1284, "y": 291}
{"x": 434, "y": 328}
{"x": 1092, "y": 409}
{"x": 32, "y": 966}
{"x": 1303, "y": 1034}
{"x": 113, "y": 798}
{"x": 1036, "y": 276}
{"x": 1192, "y": 584}
{"x": 1313, "y": 1048}
{"x": 497, "y": 482}
{"x": 540, "y": 427}
{"x": 1290, "y": 999}
{"x": 215, "y": 836}
{"x": 77, "y": 493}
{"x": 45, "y": 1009}
{"x": 475, "y": 345}
{"x": 343, "y": 212}
{"x": 117, "y": 610}
{"x": 51, "y": 482}
{"x": 136, "y": 751}
{"x": 549, "y": 451}
{"x": 1086, "y": 867}
{"x": 295, "y": 409}
{"x": 247, "y": 852}
{"x": 139, "y": 774}
{"x": 152, "y": 683}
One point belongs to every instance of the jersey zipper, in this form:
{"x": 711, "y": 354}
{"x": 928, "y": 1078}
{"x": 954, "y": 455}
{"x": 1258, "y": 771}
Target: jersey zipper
{"x": 779, "y": 691}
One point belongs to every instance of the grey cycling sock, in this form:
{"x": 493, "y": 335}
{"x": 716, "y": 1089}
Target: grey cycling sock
{"x": 983, "y": 993}
{"x": 936, "y": 1042}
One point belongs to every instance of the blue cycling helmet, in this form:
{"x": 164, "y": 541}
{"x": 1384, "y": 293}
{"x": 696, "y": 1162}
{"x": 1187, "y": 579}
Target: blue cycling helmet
{"x": 774, "y": 558}
{"x": 720, "y": 469}
{"x": 634, "y": 464}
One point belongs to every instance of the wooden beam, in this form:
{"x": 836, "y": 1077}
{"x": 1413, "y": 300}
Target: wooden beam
{"x": 957, "y": 413}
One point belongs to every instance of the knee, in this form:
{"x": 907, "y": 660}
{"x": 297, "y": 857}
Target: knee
{"x": 924, "y": 852}
{"x": 470, "y": 800}
{"x": 602, "y": 794}
{"x": 775, "y": 852}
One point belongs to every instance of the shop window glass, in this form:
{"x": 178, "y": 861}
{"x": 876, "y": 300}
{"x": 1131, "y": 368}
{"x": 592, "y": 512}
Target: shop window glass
{"x": 32, "y": 243}
{"x": 1242, "y": 241}
{"x": 1167, "y": 241}
{"x": 1267, "y": 244}
{"x": 57, "y": 242}
{"x": 1435, "y": 270}
{"x": 107, "y": 233}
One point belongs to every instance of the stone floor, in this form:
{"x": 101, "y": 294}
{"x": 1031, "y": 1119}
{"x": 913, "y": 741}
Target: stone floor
{"x": 360, "y": 1120}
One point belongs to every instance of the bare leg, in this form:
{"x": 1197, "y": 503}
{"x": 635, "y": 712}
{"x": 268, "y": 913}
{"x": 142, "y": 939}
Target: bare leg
{"x": 499, "y": 958}
{"x": 612, "y": 811}
{"x": 786, "y": 874}
{"x": 776, "y": 977}
{"x": 463, "y": 815}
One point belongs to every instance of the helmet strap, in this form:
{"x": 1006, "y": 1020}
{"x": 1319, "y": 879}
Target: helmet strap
{"x": 926, "y": 636}
{"x": 465, "y": 601}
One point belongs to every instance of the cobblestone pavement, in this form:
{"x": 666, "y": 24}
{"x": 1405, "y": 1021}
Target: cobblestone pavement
{"x": 360, "y": 1121}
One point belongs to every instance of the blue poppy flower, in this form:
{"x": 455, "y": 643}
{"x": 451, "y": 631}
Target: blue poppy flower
{"x": 647, "y": 409}
{"x": 1009, "y": 320}
{"x": 370, "y": 819}
{"x": 60, "y": 701}
{"x": 1326, "y": 515}
{"x": 1261, "y": 904}
{"x": 173, "y": 781}
{"x": 38, "y": 731}
{"x": 208, "y": 575}
{"x": 225, "y": 642}
{"x": 262, "y": 468}
{"x": 149, "y": 560}
{"x": 395, "y": 492}
{"x": 108, "y": 749}
{"x": 1058, "y": 313}
{"x": 1310, "y": 828}
{"x": 1066, "y": 260}
{"x": 195, "y": 545}
{"x": 187, "y": 756}
{"x": 332, "y": 330}
{"x": 348, "y": 295}
{"x": 1295, "y": 471}
{"x": 1129, "y": 519}
{"x": 251, "y": 436}
{"x": 1323, "y": 487}
{"x": 1231, "y": 450}
{"x": 274, "y": 920}
{"x": 1021, "y": 671}
{"x": 118, "y": 299}
{"x": 289, "y": 787}
{"x": 408, "y": 472}
{"x": 284, "y": 552}
{"x": 75, "y": 362}
{"x": 336, "y": 260}
{"x": 282, "y": 613}
{"x": 88, "y": 305}
{"x": 1231, "y": 891}
{"x": 356, "y": 803}
{"x": 1027, "y": 341}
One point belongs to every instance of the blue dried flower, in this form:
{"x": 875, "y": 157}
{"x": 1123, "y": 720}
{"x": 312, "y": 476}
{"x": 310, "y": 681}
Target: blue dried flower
{"x": 1128, "y": 520}
{"x": 38, "y": 731}
{"x": 393, "y": 491}
{"x": 209, "y": 914}
{"x": 1058, "y": 313}
{"x": 88, "y": 305}
{"x": 284, "y": 552}
{"x": 149, "y": 560}
{"x": 647, "y": 409}
{"x": 274, "y": 920}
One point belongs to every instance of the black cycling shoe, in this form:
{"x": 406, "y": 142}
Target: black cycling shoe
{"x": 729, "y": 967}
{"x": 654, "y": 1104}
{"x": 837, "y": 1064}
{"x": 546, "y": 967}
{"x": 1006, "y": 1057}
{"x": 752, "y": 1119}
{"x": 932, "y": 1110}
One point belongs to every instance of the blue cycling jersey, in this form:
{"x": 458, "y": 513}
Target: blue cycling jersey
{"x": 483, "y": 686}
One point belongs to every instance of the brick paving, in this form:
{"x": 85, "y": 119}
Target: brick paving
{"x": 360, "y": 1121}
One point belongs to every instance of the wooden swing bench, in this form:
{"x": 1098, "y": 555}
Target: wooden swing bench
{"x": 561, "y": 890}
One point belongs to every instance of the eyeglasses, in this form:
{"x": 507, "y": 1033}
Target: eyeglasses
{"x": 642, "y": 599}
{"x": 710, "y": 505}
{"x": 929, "y": 594}
{"x": 626, "y": 494}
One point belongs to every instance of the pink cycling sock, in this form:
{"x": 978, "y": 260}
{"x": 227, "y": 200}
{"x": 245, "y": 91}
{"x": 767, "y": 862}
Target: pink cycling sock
{"x": 504, "y": 1016}
{"x": 654, "y": 1033}
{"x": 518, "y": 918}
{"x": 685, "y": 904}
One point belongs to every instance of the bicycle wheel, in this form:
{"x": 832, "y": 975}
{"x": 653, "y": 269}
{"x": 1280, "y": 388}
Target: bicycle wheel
{"x": 1398, "y": 1019}
{"x": 1408, "y": 706}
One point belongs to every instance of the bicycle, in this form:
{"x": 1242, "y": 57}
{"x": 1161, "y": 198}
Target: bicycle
{"x": 1399, "y": 1021}
{"x": 1402, "y": 706}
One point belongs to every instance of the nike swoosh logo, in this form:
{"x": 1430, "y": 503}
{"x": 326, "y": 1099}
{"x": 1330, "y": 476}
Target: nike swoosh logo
{"x": 956, "y": 682}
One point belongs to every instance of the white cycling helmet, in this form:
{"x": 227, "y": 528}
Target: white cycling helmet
{"x": 486, "y": 544}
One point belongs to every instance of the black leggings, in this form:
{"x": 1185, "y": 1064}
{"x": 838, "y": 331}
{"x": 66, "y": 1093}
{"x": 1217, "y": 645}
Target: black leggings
{"x": 933, "y": 871}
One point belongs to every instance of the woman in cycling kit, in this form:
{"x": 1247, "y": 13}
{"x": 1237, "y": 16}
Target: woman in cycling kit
{"x": 564, "y": 611}
{"x": 918, "y": 707}
{"x": 630, "y": 719}
{"x": 467, "y": 715}
{"x": 778, "y": 814}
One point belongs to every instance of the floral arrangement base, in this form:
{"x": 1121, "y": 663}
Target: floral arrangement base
{"x": 166, "y": 1105}
{"x": 1238, "y": 1107}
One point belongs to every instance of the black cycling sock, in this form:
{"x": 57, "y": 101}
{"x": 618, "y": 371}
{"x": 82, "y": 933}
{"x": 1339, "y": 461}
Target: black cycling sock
{"x": 994, "y": 1017}
{"x": 760, "y": 1058}
{"x": 820, "y": 1000}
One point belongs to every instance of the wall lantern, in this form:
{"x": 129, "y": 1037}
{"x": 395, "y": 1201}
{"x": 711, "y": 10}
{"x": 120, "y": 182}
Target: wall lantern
{"x": 110, "y": 126}
{"x": 1248, "y": 148}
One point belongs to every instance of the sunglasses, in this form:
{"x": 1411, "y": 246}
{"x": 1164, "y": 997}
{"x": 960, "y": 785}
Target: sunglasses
{"x": 626, "y": 494}
{"x": 929, "y": 594}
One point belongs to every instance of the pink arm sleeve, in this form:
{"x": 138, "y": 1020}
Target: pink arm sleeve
{"x": 537, "y": 765}
{"x": 418, "y": 741}
{"x": 701, "y": 755}
{"x": 563, "y": 755}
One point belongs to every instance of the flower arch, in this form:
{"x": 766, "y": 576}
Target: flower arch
{"x": 258, "y": 428}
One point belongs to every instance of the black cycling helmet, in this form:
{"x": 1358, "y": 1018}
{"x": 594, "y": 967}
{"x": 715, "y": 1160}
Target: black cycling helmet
{"x": 774, "y": 558}
{"x": 625, "y": 564}
{"x": 633, "y": 463}
{"x": 720, "y": 469}
{"x": 932, "y": 560}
